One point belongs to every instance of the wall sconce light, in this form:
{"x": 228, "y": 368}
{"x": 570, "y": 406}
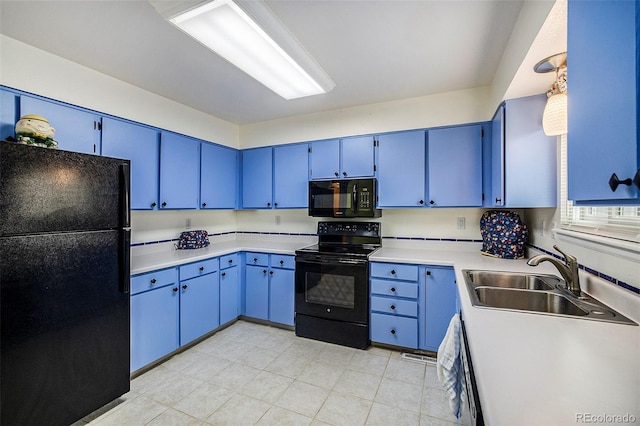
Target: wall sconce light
{"x": 554, "y": 119}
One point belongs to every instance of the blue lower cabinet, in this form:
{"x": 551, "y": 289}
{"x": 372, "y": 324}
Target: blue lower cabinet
{"x": 394, "y": 330}
{"x": 270, "y": 287}
{"x": 281, "y": 296}
{"x": 394, "y": 304}
{"x": 229, "y": 294}
{"x": 154, "y": 317}
{"x": 199, "y": 307}
{"x": 257, "y": 292}
{"x": 439, "y": 305}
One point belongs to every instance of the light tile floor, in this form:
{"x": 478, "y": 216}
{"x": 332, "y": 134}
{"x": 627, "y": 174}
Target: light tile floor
{"x": 251, "y": 374}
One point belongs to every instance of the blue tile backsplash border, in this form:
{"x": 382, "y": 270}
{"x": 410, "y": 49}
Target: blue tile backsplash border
{"x": 592, "y": 271}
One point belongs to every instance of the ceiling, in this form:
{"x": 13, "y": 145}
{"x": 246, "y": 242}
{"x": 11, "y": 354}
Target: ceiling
{"x": 374, "y": 50}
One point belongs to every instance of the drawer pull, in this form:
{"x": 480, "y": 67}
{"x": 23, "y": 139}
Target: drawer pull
{"x": 393, "y": 331}
{"x": 184, "y": 286}
{"x": 175, "y": 289}
{"x": 282, "y": 262}
{"x": 393, "y": 272}
{"x": 270, "y": 272}
{"x": 393, "y": 289}
{"x": 230, "y": 261}
{"x": 223, "y": 274}
{"x": 264, "y": 271}
{"x": 153, "y": 281}
{"x": 201, "y": 268}
{"x": 393, "y": 307}
{"x": 255, "y": 259}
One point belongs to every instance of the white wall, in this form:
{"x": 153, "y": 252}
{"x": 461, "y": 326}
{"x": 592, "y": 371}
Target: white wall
{"x": 421, "y": 223}
{"x": 462, "y": 106}
{"x": 148, "y": 226}
{"x": 33, "y": 70}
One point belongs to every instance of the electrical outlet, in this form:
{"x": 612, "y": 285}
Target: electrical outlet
{"x": 277, "y": 220}
{"x": 187, "y": 223}
{"x": 461, "y": 222}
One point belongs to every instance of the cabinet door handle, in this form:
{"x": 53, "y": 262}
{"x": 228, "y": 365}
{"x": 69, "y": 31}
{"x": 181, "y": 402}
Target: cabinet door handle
{"x": 498, "y": 200}
{"x": 153, "y": 281}
{"x": 421, "y": 202}
{"x": 164, "y": 204}
{"x": 336, "y": 173}
{"x": 268, "y": 204}
{"x": 393, "y": 307}
{"x": 270, "y": 272}
{"x": 393, "y": 331}
{"x": 344, "y": 174}
{"x": 184, "y": 286}
{"x": 224, "y": 274}
{"x": 614, "y": 181}
{"x": 175, "y": 289}
{"x": 264, "y": 271}
{"x": 428, "y": 272}
{"x": 153, "y": 204}
{"x": 636, "y": 179}
{"x": 432, "y": 202}
{"x": 204, "y": 204}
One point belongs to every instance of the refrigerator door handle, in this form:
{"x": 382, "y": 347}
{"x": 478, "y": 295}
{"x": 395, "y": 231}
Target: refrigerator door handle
{"x": 125, "y": 261}
{"x": 125, "y": 188}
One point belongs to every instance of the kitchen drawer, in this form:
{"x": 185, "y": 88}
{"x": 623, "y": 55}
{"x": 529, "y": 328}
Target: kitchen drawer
{"x": 261, "y": 259}
{"x": 389, "y": 305}
{"x": 394, "y": 288}
{"x": 198, "y": 268}
{"x": 283, "y": 261}
{"x": 151, "y": 280}
{"x": 394, "y": 330}
{"x": 394, "y": 271}
{"x": 228, "y": 261}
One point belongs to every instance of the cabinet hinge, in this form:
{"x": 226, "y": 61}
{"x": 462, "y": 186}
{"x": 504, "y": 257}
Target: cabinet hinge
{"x": 483, "y": 196}
{"x": 309, "y": 150}
{"x": 374, "y": 168}
{"x": 482, "y": 133}
{"x": 375, "y": 142}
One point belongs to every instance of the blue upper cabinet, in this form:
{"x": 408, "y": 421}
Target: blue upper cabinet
{"x": 218, "y": 177}
{"x": 257, "y": 178}
{"x": 603, "y": 138}
{"x": 179, "y": 171}
{"x": 324, "y": 159}
{"x": 291, "y": 176}
{"x": 358, "y": 157}
{"x": 454, "y": 158}
{"x": 342, "y": 158}
{"x": 524, "y": 154}
{"x": 76, "y": 130}
{"x": 9, "y": 102}
{"x": 141, "y": 145}
{"x": 401, "y": 169}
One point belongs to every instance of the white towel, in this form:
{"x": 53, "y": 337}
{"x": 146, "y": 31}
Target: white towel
{"x": 449, "y": 365}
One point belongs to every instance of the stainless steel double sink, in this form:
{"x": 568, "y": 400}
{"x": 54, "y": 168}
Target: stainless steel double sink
{"x": 535, "y": 293}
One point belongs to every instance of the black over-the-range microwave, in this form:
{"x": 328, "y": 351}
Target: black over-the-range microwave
{"x": 343, "y": 198}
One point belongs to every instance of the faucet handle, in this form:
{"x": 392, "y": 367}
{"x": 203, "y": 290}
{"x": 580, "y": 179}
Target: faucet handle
{"x": 567, "y": 257}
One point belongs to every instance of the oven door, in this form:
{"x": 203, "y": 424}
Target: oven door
{"x": 332, "y": 287}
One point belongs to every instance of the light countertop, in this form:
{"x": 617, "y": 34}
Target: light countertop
{"x": 531, "y": 369}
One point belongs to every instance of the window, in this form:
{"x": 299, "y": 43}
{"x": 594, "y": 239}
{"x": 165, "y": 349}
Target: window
{"x": 621, "y": 222}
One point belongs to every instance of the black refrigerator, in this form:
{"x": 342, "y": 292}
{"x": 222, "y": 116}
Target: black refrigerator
{"x": 64, "y": 278}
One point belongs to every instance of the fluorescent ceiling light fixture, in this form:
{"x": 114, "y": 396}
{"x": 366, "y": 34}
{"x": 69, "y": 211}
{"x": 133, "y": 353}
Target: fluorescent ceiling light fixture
{"x": 238, "y": 34}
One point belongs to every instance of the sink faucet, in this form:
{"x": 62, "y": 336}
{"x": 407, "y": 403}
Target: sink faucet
{"x": 568, "y": 270}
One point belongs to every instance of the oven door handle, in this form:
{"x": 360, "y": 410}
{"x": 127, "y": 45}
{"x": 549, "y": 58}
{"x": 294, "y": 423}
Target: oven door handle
{"x": 332, "y": 261}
